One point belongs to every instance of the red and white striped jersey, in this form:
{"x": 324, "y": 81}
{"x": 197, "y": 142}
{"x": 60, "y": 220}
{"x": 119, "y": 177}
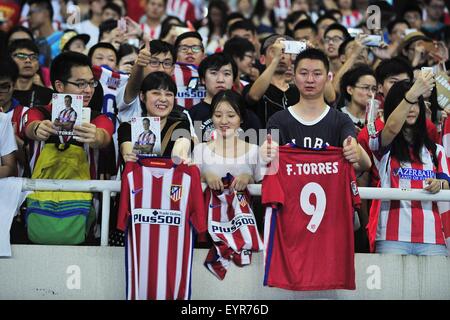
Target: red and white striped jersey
{"x": 352, "y": 20}
{"x": 405, "y": 220}
{"x": 186, "y": 97}
{"x": 67, "y": 115}
{"x": 232, "y": 227}
{"x": 16, "y": 116}
{"x": 183, "y": 9}
{"x": 153, "y": 33}
{"x": 111, "y": 81}
{"x": 159, "y": 206}
{"x": 282, "y": 8}
{"x": 146, "y": 137}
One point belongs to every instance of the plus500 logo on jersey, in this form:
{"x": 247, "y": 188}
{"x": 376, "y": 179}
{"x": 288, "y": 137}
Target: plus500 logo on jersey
{"x": 158, "y": 216}
{"x": 233, "y": 225}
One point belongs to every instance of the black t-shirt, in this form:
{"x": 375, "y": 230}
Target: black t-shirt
{"x": 201, "y": 112}
{"x": 273, "y": 100}
{"x": 42, "y": 96}
{"x": 124, "y": 133}
{"x": 331, "y": 128}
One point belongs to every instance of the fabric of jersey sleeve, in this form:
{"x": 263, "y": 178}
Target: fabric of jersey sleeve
{"x": 376, "y": 146}
{"x": 271, "y": 190}
{"x": 103, "y": 122}
{"x": 196, "y": 207}
{"x": 34, "y": 114}
{"x": 124, "y": 203}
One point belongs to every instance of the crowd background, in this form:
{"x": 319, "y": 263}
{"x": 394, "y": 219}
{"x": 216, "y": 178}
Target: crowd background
{"x": 172, "y": 58}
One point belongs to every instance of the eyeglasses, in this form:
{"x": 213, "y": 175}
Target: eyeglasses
{"x": 5, "y": 87}
{"x": 167, "y": 64}
{"x": 195, "y": 49}
{"x": 373, "y": 89}
{"x": 333, "y": 39}
{"x": 24, "y": 56}
{"x": 84, "y": 84}
{"x": 250, "y": 56}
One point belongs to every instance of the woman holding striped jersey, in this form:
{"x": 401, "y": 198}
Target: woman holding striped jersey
{"x": 406, "y": 158}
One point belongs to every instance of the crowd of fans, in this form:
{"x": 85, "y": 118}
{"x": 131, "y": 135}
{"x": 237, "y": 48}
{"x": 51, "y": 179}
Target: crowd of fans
{"x": 216, "y": 69}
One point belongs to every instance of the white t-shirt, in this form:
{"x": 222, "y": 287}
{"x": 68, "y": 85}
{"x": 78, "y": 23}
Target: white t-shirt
{"x": 89, "y": 28}
{"x": 248, "y": 163}
{"x": 7, "y": 139}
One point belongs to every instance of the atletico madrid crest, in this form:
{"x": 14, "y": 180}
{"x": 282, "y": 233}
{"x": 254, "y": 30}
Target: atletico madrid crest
{"x": 241, "y": 199}
{"x": 175, "y": 192}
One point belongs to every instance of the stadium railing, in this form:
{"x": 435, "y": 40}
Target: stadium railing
{"x": 108, "y": 187}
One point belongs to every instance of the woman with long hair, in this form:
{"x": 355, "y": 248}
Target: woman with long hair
{"x": 264, "y": 17}
{"x": 406, "y": 158}
{"x": 214, "y": 32}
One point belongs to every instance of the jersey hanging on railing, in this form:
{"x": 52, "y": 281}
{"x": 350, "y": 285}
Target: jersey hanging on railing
{"x": 232, "y": 227}
{"x": 308, "y": 230}
{"x": 160, "y": 204}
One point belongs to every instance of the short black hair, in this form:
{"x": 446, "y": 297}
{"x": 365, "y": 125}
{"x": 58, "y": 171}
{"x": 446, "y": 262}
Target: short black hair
{"x": 106, "y": 26}
{"x": 343, "y": 46}
{"x": 61, "y": 67}
{"x": 103, "y": 45}
{"x": 23, "y": 44}
{"x": 393, "y": 23}
{"x": 324, "y": 17}
{"x": 313, "y": 54}
{"x": 126, "y": 49}
{"x": 242, "y": 24}
{"x": 215, "y": 62}
{"x": 68, "y": 96}
{"x": 237, "y": 47}
{"x": 9, "y": 69}
{"x": 146, "y": 119}
{"x": 391, "y": 67}
{"x": 159, "y": 80}
{"x": 234, "y": 15}
{"x": 412, "y": 7}
{"x": 306, "y": 24}
{"x": 191, "y": 34}
{"x": 337, "y": 26}
{"x": 19, "y": 29}
{"x": 159, "y": 46}
{"x": 114, "y": 7}
{"x": 351, "y": 77}
{"x": 46, "y": 4}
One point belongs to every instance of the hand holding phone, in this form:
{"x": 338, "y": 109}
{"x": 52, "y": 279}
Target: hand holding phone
{"x": 294, "y": 47}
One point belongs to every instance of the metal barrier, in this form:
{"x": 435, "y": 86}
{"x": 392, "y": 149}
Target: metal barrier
{"x": 106, "y": 187}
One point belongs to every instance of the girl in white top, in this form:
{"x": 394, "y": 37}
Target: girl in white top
{"x": 226, "y": 152}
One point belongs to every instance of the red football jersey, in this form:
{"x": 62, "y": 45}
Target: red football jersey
{"x": 159, "y": 206}
{"x": 308, "y": 229}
